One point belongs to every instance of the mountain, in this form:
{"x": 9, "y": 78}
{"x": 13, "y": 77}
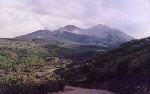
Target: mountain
{"x": 68, "y": 28}
{"x": 82, "y": 39}
{"x": 100, "y": 31}
{"x": 103, "y": 31}
{"x": 40, "y": 34}
{"x": 98, "y": 35}
{"x": 123, "y": 70}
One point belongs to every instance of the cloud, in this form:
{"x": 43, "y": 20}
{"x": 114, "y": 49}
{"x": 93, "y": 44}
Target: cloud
{"x": 19, "y": 17}
{"x": 131, "y": 16}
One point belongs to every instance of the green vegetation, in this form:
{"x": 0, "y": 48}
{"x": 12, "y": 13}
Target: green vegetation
{"x": 43, "y": 66}
{"x": 124, "y": 70}
{"x": 25, "y": 65}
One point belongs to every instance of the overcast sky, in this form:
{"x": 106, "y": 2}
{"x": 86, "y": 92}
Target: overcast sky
{"x": 19, "y": 17}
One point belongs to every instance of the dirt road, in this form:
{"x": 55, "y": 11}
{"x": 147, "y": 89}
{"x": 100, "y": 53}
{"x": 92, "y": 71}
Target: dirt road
{"x": 76, "y": 90}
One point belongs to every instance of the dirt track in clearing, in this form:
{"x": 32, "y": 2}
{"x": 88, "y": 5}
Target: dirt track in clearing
{"x": 77, "y": 90}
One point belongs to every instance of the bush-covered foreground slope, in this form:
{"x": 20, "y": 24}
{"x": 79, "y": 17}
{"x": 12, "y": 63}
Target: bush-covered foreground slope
{"x": 124, "y": 70}
{"x": 26, "y": 66}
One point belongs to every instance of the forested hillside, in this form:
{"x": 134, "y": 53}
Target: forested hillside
{"x": 30, "y": 63}
{"x": 124, "y": 70}
{"x": 44, "y": 65}
{"x": 26, "y": 66}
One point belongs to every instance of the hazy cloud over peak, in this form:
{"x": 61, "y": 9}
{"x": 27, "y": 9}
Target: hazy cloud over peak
{"x": 19, "y": 17}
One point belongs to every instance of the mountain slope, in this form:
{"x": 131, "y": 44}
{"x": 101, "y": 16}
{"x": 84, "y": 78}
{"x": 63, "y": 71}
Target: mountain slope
{"x": 83, "y": 39}
{"x": 97, "y": 35}
{"x": 101, "y": 31}
{"x": 26, "y": 65}
{"x": 124, "y": 70}
{"x": 104, "y": 31}
{"x": 68, "y": 28}
{"x": 41, "y": 34}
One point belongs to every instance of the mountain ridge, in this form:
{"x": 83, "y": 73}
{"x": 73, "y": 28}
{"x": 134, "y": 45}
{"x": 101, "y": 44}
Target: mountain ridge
{"x": 94, "y": 35}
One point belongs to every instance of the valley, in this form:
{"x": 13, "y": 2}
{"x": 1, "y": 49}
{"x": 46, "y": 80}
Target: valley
{"x": 44, "y": 62}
